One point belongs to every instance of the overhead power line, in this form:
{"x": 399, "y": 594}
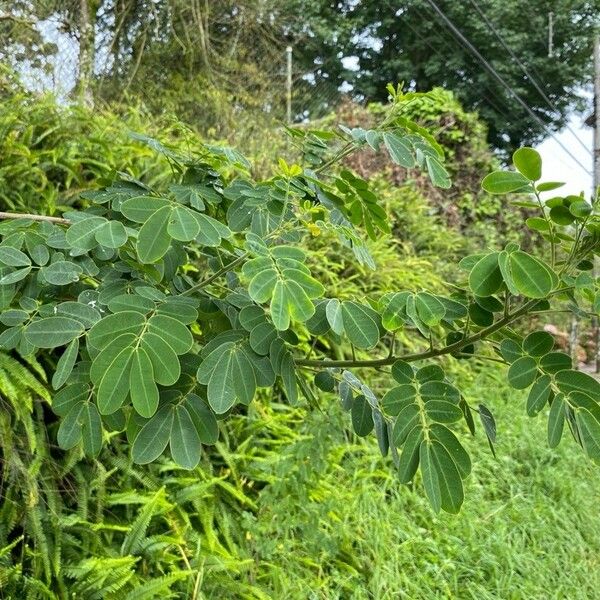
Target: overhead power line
{"x": 497, "y": 76}
{"x": 447, "y": 45}
{"x": 535, "y": 84}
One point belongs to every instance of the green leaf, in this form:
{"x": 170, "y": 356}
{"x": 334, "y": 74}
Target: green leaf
{"x": 262, "y": 285}
{"x": 221, "y": 390}
{"x": 13, "y": 258}
{"x": 112, "y": 234}
{"x": 575, "y": 381}
{"x": 185, "y": 441}
{"x": 454, "y": 448}
{"x": 84, "y": 313}
{"x": 538, "y": 395}
{"x": 448, "y": 476}
{"x": 69, "y": 431}
{"x": 589, "y": 431}
{"x": 556, "y": 420}
{"x": 62, "y": 272}
{"x": 555, "y": 362}
{"x": 91, "y": 429}
{"x": 400, "y": 151}
{"x": 561, "y": 215}
{"x": 261, "y": 338}
{"x": 439, "y": 390}
{"x": 489, "y": 425}
{"x": 15, "y": 276}
{"x": 333, "y": 312}
{"x": 504, "y": 264}
{"x": 290, "y": 302}
{"x": 324, "y": 381}
{"x": 153, "y": 438}
{"x": 141, "y": 208}
{"x": 143, "y": 390}
{"x": 165, "y": 363}
{"x": 438, "y": 174}
{"x": 53, "y": 331}
{"x": 522, "y": 372}
{"x": 538, "y": 343}
{"x": 65, "y": 364}
{"x": 381, "y": 432}
{"x": 288, "y": 378}
{"x": 362, "y": 416}
{"x": 580, "y": 209}
{"x": 115, "y": 383}
{"x": 82, "y": 234}
{"x": 403, "y": 372}
{"x": 442, "y": 411}
{"x": 430, "y": 310}
{"x": 204, "y": 419}
{"x": 531, "y": 276}
{"x": 397, "y": 398}
{"x": 548, "y": 186}
{"x": 107, "y": 355}
{"x": 394, "y": 314}
{"x": 183, "y": 225}
{"x": 211, "y": 231}
{"x": 407, "y": 419}
{"x": 430, "y": 373}
{"x": 68, "y": 397}
{"x": 311, "y": 286}
{"x": 359, "y": 325}
{"x": 485, "y": 278}
{"x": 230, "y": 376}
{"x": 171, "y": 331}
{"x": 130, "y": 302}
{"x": 430, "y": 476}
{"x": 409, "y": 458}
{"x": 510, "y": 350}
{"x": 503, "y": 182}
{"x": 153, "y": 239}
{"x": 528, "y": 162}
{"x": 110, "y": 327}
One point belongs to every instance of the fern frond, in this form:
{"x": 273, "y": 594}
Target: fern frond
{"x": 134, "y": 538}
{"x": 157, "y": 586}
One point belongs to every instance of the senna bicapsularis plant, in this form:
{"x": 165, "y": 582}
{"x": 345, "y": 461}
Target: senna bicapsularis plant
{"x": 162, "y": 310}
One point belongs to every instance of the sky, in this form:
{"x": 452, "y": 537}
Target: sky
{"x": 557, "y": 165}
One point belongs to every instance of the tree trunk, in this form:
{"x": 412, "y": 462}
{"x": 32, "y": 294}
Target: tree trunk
{"x": 86, "y": 51}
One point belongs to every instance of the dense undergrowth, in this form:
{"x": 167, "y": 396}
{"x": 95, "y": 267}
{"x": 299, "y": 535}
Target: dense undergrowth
{"x": 289, "y": 504}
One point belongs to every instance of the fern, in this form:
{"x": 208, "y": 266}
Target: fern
{"x": 157, "y": 586}
{"x": 134, "y": 538}
{"x": 100, "y": 578}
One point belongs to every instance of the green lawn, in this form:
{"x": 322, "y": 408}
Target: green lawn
{"x": 333, "y": 523}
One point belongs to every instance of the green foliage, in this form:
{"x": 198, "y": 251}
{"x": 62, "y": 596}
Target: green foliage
{"x": 52, "y": 152}
{"x": 414, "y": 44}
{"x": 153, "y": 351}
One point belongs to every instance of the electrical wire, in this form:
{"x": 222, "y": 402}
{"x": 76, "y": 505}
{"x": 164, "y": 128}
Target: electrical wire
{"x": 493, "y": 72}
{"x": 526, "y": 72}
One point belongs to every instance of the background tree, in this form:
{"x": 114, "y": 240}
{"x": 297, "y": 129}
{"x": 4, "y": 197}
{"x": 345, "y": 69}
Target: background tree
{"x": 407, "y": 41}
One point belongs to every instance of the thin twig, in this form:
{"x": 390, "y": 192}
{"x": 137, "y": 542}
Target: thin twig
{"x": 8, "y": 215}
{"x": 452, "y": 348}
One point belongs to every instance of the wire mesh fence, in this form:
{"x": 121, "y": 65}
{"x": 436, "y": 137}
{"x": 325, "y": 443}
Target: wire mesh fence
{"x": 199, "y": 59}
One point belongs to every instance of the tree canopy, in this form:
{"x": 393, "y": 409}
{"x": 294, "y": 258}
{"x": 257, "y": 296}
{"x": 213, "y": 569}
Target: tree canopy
{"x": 408, "y": 41}
{"x": 232, "y": 54}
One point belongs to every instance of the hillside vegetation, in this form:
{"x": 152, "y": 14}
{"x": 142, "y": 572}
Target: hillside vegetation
{"x": 290, "y": 503}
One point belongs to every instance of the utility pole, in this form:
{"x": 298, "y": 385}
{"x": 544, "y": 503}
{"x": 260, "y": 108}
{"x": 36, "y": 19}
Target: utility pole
{"x": 596, "y": 155}
{"x": 596, "y": 113}
{"x": 550, "y": 34}
{"x": 288, "y": 90}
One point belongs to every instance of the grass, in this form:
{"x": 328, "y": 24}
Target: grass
{"x": 332, "y": 523}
